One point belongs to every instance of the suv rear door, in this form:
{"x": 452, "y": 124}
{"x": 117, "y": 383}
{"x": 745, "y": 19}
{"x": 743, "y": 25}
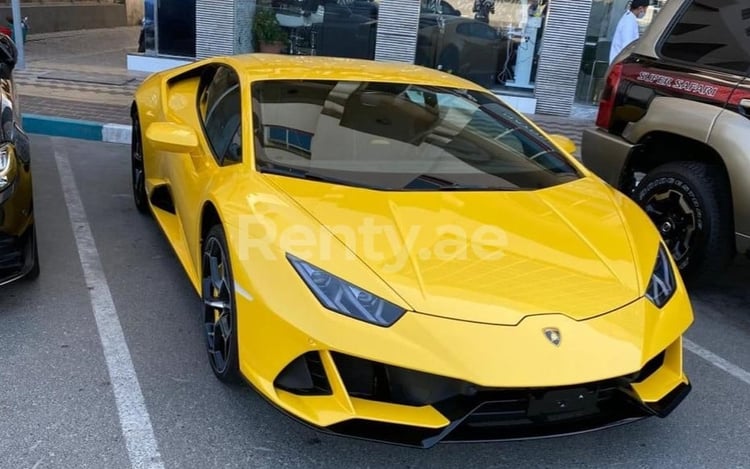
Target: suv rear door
{"x": 702, "y": 58}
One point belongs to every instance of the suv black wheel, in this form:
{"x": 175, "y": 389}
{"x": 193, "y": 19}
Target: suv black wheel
{"x": 690, "y": 204}
{"x": 137, "y": 167}
{"x": 219, "y": 308}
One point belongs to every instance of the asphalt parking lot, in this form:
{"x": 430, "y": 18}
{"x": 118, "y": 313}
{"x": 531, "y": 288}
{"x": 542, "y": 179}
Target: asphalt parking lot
{"x": 60, "y": 408}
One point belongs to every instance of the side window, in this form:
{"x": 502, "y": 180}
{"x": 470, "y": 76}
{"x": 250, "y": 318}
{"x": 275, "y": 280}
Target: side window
{"x": 220, "y": 107}
{"x": 486, "y": 32}
{"x": 712, "y": 33}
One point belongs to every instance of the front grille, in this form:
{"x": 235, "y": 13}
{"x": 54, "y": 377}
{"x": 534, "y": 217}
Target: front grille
{"x": 478, "y": 414}
{"x": 386, "y": 383}
{"x": 508, "y": 414}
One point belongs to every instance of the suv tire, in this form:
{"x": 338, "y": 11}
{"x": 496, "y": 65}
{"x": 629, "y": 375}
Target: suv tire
{"x": 691, "y": 206}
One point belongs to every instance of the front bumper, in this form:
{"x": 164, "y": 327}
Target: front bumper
{"x": 392, "y": 384}
{"x": 384, "y": 399}
{"x": 495, "y": 420}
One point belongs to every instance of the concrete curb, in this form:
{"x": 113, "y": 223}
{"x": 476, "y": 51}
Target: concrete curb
{"x": 73, "y": 128}
{"x": 119, "y": 133}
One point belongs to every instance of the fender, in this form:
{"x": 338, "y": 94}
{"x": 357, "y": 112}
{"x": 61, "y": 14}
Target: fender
{"x": 719, "y": 129}
{"x": 730, "y": 139}
{"x": 695, "y": 120}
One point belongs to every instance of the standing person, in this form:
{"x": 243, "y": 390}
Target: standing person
{"x": 627, "y": 28}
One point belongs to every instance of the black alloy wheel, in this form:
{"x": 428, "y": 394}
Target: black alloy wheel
{"x": 137, "y": 167}
{"x": 219, "y": 314}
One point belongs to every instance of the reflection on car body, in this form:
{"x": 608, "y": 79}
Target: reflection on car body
{"x": 463, "y": 46}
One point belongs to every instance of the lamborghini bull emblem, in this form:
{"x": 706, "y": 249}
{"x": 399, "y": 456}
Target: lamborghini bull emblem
{"x": 553, "y": 335}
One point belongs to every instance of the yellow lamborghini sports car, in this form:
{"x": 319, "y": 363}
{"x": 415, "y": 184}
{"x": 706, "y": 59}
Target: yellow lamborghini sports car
{"x": 389, "y": 252}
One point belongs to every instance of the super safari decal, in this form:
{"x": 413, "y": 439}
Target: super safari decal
{"x": 679, "y": 84}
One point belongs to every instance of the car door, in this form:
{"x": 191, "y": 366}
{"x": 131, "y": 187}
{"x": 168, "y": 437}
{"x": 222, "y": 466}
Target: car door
{"x": 219, "y": 106}
{"x": 733, "y": 127}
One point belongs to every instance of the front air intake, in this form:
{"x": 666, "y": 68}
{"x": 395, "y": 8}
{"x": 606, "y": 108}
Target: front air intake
{"x": 305, "y": 376}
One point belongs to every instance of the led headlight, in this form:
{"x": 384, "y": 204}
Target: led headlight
{"x": 342, "y": 297}
{"x": 663, "y": 283}
{"x": 6, "y": 169}
{"x": 4, "y": 158}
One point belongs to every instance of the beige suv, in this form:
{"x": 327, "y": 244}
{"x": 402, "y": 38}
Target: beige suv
{"x": 673, "y": 130}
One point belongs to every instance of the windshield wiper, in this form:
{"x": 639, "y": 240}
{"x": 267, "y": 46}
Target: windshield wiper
{"x": 426, "y": 181}
{"x": 281, "y": 170}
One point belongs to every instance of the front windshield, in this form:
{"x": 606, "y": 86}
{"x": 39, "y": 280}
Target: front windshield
{"x": 391, "y": 136}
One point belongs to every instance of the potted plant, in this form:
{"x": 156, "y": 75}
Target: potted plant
{"x": 268, "y": 32}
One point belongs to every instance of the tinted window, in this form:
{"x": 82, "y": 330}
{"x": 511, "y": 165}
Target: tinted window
{"x": 400, "y": 137}
{"x": 220, "y": 108}
{"x": 712, "y": 33}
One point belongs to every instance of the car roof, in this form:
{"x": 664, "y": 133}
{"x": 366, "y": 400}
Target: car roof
{"x": 261, "y": 66}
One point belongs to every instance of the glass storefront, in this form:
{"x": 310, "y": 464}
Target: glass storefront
{"x": 169, "y": 28}
{"x": 343, "y": 28}
{"x": 605, "y": 14}
{"x": 494, "y": 43}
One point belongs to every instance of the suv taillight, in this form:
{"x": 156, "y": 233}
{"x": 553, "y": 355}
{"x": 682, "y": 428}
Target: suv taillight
{"x": 609, "y": 94}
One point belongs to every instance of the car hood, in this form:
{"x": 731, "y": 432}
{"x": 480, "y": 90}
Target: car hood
{"x": 490, "y": 257}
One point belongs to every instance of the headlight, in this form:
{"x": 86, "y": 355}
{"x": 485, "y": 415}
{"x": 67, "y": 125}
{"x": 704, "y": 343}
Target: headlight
{"x": 6, "y": 166}
{"x": 342, "y": 297}
{"x": 4, "y": 158}
{"x": 663, "y": 283}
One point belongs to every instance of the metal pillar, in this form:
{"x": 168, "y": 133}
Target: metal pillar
{"x": 398, "y": 23}
{"x": 560, "y": 56}
{"x": 18, "y": 33}
{"x": 223, "y": 27}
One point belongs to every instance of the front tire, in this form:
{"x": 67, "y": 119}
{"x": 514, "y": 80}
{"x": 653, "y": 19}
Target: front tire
{"x": 137, "y": 167}
{"x": 219, "y": 307}
{"x": 691, "y": 206}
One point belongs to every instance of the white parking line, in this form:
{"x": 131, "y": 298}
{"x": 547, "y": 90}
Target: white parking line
{"x": 734, "y": 370}
{"x": 135, "y": 422}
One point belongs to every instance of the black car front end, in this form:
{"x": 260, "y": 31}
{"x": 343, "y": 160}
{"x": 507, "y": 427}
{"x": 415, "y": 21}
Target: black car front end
{"x": 18, "y": 253}
{"x": 18, "y": 249}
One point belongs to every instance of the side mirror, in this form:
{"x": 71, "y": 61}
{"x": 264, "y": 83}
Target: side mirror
{"x": 564, "y": 142}
{"x": 168, "y": 136}
{"x": 8, "y": 52}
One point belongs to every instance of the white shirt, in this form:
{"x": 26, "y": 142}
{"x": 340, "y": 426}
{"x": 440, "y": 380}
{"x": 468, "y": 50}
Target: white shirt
{"x": 625, "y": 33}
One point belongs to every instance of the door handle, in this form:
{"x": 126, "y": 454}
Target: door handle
{"x": 744, "y": 107}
